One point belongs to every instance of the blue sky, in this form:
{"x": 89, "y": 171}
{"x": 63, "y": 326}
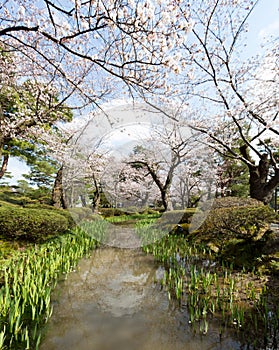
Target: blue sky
{"x": 263, "y": 22}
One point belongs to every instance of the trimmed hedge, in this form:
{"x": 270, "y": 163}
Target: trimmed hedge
{"x": 64, "y": 212}
{"x": 32, "y": 224}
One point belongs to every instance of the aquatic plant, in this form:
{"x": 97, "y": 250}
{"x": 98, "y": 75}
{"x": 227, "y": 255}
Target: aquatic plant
{"x": 208, "y": 289}
{"x": 27, "y": 280}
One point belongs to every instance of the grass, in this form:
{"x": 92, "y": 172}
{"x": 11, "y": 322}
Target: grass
{"x": 134, "y": 218}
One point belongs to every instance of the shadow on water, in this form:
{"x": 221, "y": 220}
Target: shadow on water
{"x": 112, "y": 302}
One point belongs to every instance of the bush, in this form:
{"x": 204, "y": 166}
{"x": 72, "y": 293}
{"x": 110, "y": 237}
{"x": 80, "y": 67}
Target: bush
{"x": 243, "y": 222}
{"x": 15, "y": 195}
{"x": 108, "y": 212}
{"x": 236, "y": 230}
{"x": 232, "y": 202}
{"x": 82, "y": 213}
{"x": 31, "y": 224}
{"x": 63, "y": 212}
{"x": 15, "y": 198}
{"x": 178, "y": 216}
{"x": 40, "y": 206}
{"x": 150, "y": 211}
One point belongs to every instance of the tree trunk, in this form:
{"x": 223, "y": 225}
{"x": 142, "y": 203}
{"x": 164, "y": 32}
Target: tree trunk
{"x": 262, "y": 183}
{"x": 4, "y": 165}
{"x": 83, "y": 200}
{"x": 144, "y": 200}
{"x": 96, "y": 201}
{"x": 165, "y": 199}
{"x": 97, "y": 195}
{"x": 58, "y": 200}
{"x": 259, "y": 188}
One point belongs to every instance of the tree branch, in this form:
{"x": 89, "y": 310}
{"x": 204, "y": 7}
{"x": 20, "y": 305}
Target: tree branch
{"x": 5, "y": 31}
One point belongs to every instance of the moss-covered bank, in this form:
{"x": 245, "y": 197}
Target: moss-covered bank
{"x": 225, "y": 271}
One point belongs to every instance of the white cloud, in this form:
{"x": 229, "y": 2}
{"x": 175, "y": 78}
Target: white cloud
{"x": 271, "y": 30}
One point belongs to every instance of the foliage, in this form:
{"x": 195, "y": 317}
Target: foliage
{"x": 28, "y": 108}
{"x": 107, "y": 212}
{"x": 24, "y": 194}
{"x": 14, "y": 197}
{"x": 236, "y": 231}
{"x": 30, "y": 98}
{"x": 32, "y": 224}
{"x": 42, "y": 172}
{"x": 234, "y": 202}
{"x": 246, "y": 223}
{"x": 179, "y": 216}
{"x": 85, "y": 47}
{"x": 24, "y": 107}
{"x": 82, "y": 213}
{"x": 136, "y": 218}
{"x": 233, "y": 177}
{"x": 66, "y": 213}
{"x": 5, "y": 180}
{"x": 26, "y": 282}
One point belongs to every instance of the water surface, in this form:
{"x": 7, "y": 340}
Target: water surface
{"x": 111, "y": 302}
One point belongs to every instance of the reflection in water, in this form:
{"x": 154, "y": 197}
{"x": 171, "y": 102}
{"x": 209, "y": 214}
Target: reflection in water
{"x": 112, "y": 303}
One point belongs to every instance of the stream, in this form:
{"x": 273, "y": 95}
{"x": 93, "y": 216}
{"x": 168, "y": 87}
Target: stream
{"x": 112, "y": 302}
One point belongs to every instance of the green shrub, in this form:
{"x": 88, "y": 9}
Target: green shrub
{"x": 236, "y": 231}
{"x": 226, "y": 222}
{"x": 232, "y": 202}
{"x": 4, "y": 204}
{"x": 63, "y": 212}
{"x": 150, "y": 211}
{"x": 82, "y": 213}
{"x": 179, "y": 216}
{"x": 31, "y": 224}
{"x": 243, "y": 222}
{"x": 15, "y": 198}
{"x": 107, "y": 212}
{"x": 40, "y": 206}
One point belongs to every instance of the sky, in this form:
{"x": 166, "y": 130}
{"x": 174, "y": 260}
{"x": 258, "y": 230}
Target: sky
{"x": 263, "y": 22}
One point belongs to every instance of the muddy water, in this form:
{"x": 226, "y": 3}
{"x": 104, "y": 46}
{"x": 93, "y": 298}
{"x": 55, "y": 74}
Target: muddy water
{"x": 112, "y": 303}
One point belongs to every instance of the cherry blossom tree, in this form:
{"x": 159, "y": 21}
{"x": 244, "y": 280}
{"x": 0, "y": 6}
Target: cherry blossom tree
{"x": 24, "y": 108}
{"x": 129, "y": 186}
{"x": 188, "y": 183}
{"x": 83, "y": 52}
{"x": 169, "y": 147}
{"x": 231, "y": 98}
{"x": 86, "y": 47}
{"x": 79, "y": 179}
